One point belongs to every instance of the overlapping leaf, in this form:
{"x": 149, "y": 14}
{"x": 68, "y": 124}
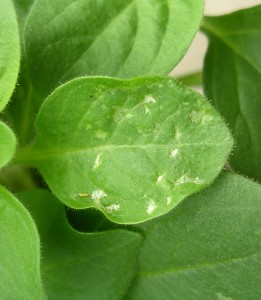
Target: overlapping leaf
{"x": 81, "y": 266}
{"x": 131, "y": 148}
{"x": 7, "y": 144}
{"x": 9, "y": 51}
{"x": 19, "y": 252}
{"x": 208, "y": 248}
{"x": 232, "y": 77}
{"x": 124, "y": 38}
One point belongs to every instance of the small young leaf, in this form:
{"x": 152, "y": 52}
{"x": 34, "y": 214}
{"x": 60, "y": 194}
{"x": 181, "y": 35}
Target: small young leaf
{"x": 81, "y": 266}
{"x": 9, "y": 51}
{"x": 66, "y": 39}
{"x": 131, "y": 148}
{"x": 232, "y": 77}
{"x": 7, "y": 144}
{"x": 208, "y": 248}
{"x": 19, "y": 251}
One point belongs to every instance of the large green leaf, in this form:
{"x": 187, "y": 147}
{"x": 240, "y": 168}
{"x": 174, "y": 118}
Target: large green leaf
{"x": 232, "y": 77}
{"x": 81, "y": 266}
{"x": 7, "y": 144}
{"x": 208, "y": 248}
{"x": 70, "y": 38}
{"x": 9, "y": 51}
{"x": 19, "y": 252}
{"x": 131, "y": 148}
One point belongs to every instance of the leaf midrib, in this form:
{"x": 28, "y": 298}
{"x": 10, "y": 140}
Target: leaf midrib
{"x": 210, "y": 29}
{"x": 34, "y": 153}
{"x": 105, "y": 27}
{"x": 174, "y": 271}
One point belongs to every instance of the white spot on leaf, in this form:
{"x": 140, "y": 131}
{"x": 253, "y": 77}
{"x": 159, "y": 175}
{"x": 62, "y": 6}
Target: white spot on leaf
{"x": 128, "y": 116}
{"x": 119, "y": 114}
{"x": 147, "y": 110}
{"x": 113, "y": 207}
{"x": 168, "y": 200}
{"x": 200, "y": 117}
{"x": 100, "y": 134}
{"x": 160, "y": 178}
{"x": 149, "y": 99}
{"x": 177, "y": 133}
{"x": 151, "y": 207}
{"x": 222, "y": 297}
{"x": 174, "y": 152}
{"x": 98, "y": 162}
{"x": 185, "y": 179}
{"x": 97, "y": 196}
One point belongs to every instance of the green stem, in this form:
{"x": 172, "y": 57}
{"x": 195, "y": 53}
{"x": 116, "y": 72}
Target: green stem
{"x": 25, "y": 122}
{"x": 25, "y": 156}
{"x": 17, "y": 178}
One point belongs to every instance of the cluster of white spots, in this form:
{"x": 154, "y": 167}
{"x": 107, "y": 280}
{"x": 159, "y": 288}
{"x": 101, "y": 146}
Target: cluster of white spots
{"x": 97, "y": 162}
{"x": 168, "y": 200}
{"x": 113, "y": 207}
{"x": 160, "y": 178}
{"x": 151, "y": 207}
{"x": 185, "y": 179}
{"x": 222, "y": 297}
{"x": 149, "y": 99}
{"x": 174, "y": 152}
{"x": 100, "y": 134}
{"x": 97, "y": 196}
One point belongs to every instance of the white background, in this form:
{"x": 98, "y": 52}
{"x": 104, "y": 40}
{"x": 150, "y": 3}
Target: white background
{"x": 193, "y": 60}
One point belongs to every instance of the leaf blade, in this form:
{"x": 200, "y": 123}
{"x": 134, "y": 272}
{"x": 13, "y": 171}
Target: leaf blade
{"x": 127, "y": 30}
{"x": 7, "y": 144}
{"x": 232, "y": 80}
{"x": 19, "y": 272}
{"x": 9, "y": 51}
{"x": 75, "y": 265}
{"x": 209, "y": 246}
{"x": 125, "y": 140}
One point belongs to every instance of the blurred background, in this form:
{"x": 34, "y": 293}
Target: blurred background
{"x": 193, "y": 61}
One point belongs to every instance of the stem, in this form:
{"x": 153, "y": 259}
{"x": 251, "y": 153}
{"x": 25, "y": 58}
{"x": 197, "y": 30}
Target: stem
{"x": 25, "y": 122}
{"x": 17, "y": 178}
{"x": 25, "y": 156}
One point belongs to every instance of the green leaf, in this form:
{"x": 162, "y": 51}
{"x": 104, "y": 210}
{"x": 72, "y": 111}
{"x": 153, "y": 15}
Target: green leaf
{"x": 131, "y": 148}
{"x": 232, "y": 76}
{"x": 208, "y": 248}
{"x": 81, "y": 266}
{"x": 9, "y": 51}
{"x": 19, "y": 251}
{"x": 71, "y": 38}
{"x": 7, "y": 144}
